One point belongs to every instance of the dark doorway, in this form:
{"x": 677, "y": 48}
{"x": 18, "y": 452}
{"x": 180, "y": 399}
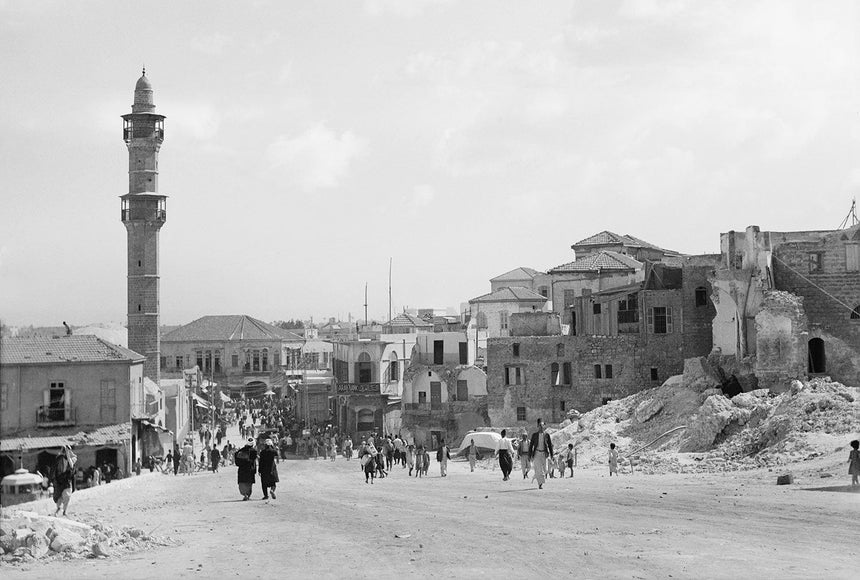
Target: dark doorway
{"x": 7, "y": 466}
{"x": 45, "y": 462}
{"x": 106, "y": 456}
{"x": 438, "y": 352}
{"x": 573, "y": 323}
{"x": 817, "y": 358}
{"x": 435, "y": 395}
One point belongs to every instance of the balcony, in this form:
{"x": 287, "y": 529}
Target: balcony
{"x": 47, "y": 416}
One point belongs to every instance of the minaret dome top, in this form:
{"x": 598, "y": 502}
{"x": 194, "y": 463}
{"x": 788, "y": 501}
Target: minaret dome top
{"x": 143, "y": 96}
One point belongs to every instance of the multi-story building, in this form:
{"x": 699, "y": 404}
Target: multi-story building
{"x": 76, "y": 390}
{"x": 241, "y": 354}
{"x": 444, "y": 393}
{"x": 491, "y": 312}
{"x": 625, "y": 339}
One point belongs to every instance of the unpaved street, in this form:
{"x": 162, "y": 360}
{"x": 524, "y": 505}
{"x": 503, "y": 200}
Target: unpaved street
{"x": 327, "y": 522}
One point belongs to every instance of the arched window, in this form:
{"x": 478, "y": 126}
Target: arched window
{"x": 855, "y": 314}
{"x": 364, "y": 420}
{"x": 559, "y": 349}
{"x": 264, "y": 360}
{"x": 364, "y": 368}
{"x": 393, "y": 368}
{"x": 554, "y": 378}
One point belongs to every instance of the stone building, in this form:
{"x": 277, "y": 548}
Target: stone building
{"x": 788, "y": 305}
{"x": 444, "y": 393}
{"x": 625, "y": 339}
{"x": 241, "y": 354}
{"x": 522, "y": 277}
{"x": 492, "y": 312}
{"x": 77, "y": 390}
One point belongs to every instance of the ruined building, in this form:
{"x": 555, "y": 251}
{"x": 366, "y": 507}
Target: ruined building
{"x": 788, "y": 306}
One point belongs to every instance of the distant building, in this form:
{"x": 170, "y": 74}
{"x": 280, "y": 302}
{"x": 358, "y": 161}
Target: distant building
{"x": 241, "y": 354}
{"x": 77, "y": 390}
{"x": 444, "y": 393}
{"x": 408, "y": 324}
{"x": 492, "y": 311}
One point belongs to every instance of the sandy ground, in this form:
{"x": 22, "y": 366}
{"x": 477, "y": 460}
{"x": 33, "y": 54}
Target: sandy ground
{"x": 328, "y": 523}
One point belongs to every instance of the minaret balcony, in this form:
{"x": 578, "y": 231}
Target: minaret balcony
{"x": 149, "y": 209}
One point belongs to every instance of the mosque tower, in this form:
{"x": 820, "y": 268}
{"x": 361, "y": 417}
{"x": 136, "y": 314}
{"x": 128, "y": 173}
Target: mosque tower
{"x": 143, "y": 213}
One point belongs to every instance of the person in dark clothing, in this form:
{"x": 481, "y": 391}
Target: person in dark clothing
{"x": 62, "y": 476}
{"x": 175, "y": 459}
{"x": 269, "y": 469}
{"x": 246, "y": 462}
{"x": 215, "y": 459}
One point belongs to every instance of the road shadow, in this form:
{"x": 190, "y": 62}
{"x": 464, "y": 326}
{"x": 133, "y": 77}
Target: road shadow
{"x": 837, "y": 488}
{"x": 516, "y": 490}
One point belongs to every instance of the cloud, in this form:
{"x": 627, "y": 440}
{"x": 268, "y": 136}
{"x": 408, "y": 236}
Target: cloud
{"x": 405, "y": 8}
{"x": 317, "y": 158}
{"x": 211, "y": 44}
{"x": 199, "y": 121}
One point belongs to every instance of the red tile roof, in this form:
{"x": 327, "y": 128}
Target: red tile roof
{"x": 229, "y": 327}
{"x": 63, "y": 349}
{"x": 599, "y": 262}
{"x": 607, "y": 238}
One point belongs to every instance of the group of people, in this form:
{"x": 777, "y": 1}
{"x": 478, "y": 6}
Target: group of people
{"x": 250, "y": 461}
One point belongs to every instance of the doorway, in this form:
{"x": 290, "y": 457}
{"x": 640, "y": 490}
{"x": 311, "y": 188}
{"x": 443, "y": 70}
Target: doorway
{"x": 106, "y": 456}
{"x": 817, "y": 357}
{"x": 435, "y": 395}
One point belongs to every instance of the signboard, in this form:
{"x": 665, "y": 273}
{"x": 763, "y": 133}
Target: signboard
{"x": 359, "y": 388}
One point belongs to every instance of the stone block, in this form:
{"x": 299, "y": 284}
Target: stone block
{"x": 785, "y": 479}
{"x": 66, "y": 540}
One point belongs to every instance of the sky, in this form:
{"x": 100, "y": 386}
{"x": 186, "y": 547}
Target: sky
{"x": 309, "y": 143}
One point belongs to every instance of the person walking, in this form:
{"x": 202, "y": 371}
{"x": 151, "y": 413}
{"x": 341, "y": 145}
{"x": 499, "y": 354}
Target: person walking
{"x": 473, "y": 455}
{"x": 347, "y": 448}
{"x": 443, "y": 454}
{"x": 246, "y": 462}
{"x": 420, "y": 457}
{"x": 410, "y": 457}
{"x": 62, "y": 476}
{"x": 215, "y": 459}
{"x": 367, "y": 455}
{"x": 505, "y": 453}
{"x": 269, "y": 469}
{"x": 525, "y": 464}
{"x": 613, "y": 460}
{"x": 540, "y": 449}
{"x": 854, "y": 462}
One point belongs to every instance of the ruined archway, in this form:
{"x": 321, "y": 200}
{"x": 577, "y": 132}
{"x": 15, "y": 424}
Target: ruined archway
{"x": 817, "y": 356}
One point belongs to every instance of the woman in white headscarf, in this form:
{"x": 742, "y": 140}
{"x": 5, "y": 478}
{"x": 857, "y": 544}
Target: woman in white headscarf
{"x": 63, "y": 475}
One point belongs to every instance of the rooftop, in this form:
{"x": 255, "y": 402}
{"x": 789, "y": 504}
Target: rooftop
{"x": 63, "y": 349}
{"x": 510, "y": 294}
{"x": 521, "y": 273}
{"x": 405, "y": 320}
{"x": 607, "y": 238}
{"x": 229, "y": 327}
{"x": 602, "y": 261}
{"x": 75, "y": 436}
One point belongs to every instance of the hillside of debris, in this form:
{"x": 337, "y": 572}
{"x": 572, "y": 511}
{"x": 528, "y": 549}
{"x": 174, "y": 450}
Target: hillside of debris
{"x": 689, "y": 425}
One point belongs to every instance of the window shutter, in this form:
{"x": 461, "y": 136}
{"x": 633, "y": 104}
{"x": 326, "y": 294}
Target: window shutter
{"x": 668, "y": 320}
{"x": 46, "y": 398}
{"x": 67, "y": 402}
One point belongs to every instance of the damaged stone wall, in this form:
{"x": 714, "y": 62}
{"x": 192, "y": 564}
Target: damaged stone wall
{"x": 781, "y": 336}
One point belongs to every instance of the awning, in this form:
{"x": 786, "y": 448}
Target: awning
{"x": 200, "y": 400}
{"x": 225, "y": 398}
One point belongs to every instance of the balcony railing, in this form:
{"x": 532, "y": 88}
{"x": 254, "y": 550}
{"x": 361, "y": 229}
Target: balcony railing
{"x": 54, "y": 416}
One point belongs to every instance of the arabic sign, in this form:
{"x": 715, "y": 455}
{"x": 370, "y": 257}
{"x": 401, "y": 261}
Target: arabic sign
{"x": 360, "y": 388}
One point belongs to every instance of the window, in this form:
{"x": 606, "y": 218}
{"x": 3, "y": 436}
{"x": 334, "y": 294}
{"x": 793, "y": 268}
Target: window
{"x": 855, "y": 314}
{"x": 438, "y": 352}
{"x": 364, "y": 420}
{"x": 4, "y": 396}
{"x": 816, "y": 264}
{"x": 55, "y": 402}
{"x": 654, "y": 374}
{"x": 179, "y": 362}
{"x": 422, "y": 397}
{"x": 521, "y": 414}
{"x": 503, "y": 319}
{"x": 628, "y": 313}
{"x": 462, "y": 390}
{"x": 365, "y": 368}
{"x": 598, "y": 372}
{"x": 701, "y": 296}
{"x": 464, "y": 353}
{"x": 596, "y": 308}
{"x": 248, "y": 361}
{"x": 513, "y": 375}
{"x": 163, "y": 361}
{"x": 607, "y": 371}
{"x": 660, "y": 320}
{"x": 107, "y": 401}
{"x": 264, "y": 360}
{"x": 200, "y": 359}
{"x": 394, "y": 370}
{"x": 559, "y": 349}
{"x": 217, "y": 361}
{"x": 852, "y": 257}
{"x": 569, "y": 298}
{"x": 235, "y": 360}
{"x": 565, "y": 373}
{"x": 554, "y": 376}
{"x": 276, "y": 359}
{"x": 561, "y": 405}
{"x": 543, "y": 291}
{"x": 516, "y": 349}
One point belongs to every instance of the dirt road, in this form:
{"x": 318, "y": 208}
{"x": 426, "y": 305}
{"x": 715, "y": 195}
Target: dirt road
{"x": 328, "y": 523}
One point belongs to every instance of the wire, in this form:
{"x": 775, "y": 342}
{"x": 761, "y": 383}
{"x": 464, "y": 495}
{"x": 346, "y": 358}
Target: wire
{"x": 848, "y": 307}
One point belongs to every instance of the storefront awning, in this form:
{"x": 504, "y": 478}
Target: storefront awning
{"x": 200, "y": 401}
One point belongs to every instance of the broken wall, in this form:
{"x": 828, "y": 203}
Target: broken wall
{"x": 781, "y": 336}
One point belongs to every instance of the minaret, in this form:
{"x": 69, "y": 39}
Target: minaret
{"x": 143, "y": 213}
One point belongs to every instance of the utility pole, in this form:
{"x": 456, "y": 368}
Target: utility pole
{"x": 390, "y": 262}
{"x": 365, "y": 303}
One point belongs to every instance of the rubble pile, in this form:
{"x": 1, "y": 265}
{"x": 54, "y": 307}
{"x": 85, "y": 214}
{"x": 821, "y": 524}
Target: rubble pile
{"x": 718, "y": 433}
{"x": 28, "y": 536}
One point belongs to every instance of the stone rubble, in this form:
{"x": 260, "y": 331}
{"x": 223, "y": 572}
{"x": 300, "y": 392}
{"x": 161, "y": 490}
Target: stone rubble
{"x": 27, "y": 536}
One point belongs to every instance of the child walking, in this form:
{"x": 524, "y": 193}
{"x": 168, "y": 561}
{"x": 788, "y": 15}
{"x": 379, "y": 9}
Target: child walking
{"x": 854, "y": 462}
{"x": 613, "y": 460}
{"x": 419, "y": 461}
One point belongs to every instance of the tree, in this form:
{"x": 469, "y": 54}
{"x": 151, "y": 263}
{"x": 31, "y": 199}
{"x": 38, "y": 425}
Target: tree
{"x": 289, "y": 324}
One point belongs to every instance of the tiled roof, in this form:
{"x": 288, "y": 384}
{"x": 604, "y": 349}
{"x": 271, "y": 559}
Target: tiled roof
{"x": 228, "y": 327}
{"x": 63, "y": 349}
{"x": 408, "y": 320}
{"x": 601, "y": 261}
{"x": 521, "y": 273}
{"x": 510, "y": 294}
{"x": 74, "y": 436}
{"x": 606, "y": 238}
